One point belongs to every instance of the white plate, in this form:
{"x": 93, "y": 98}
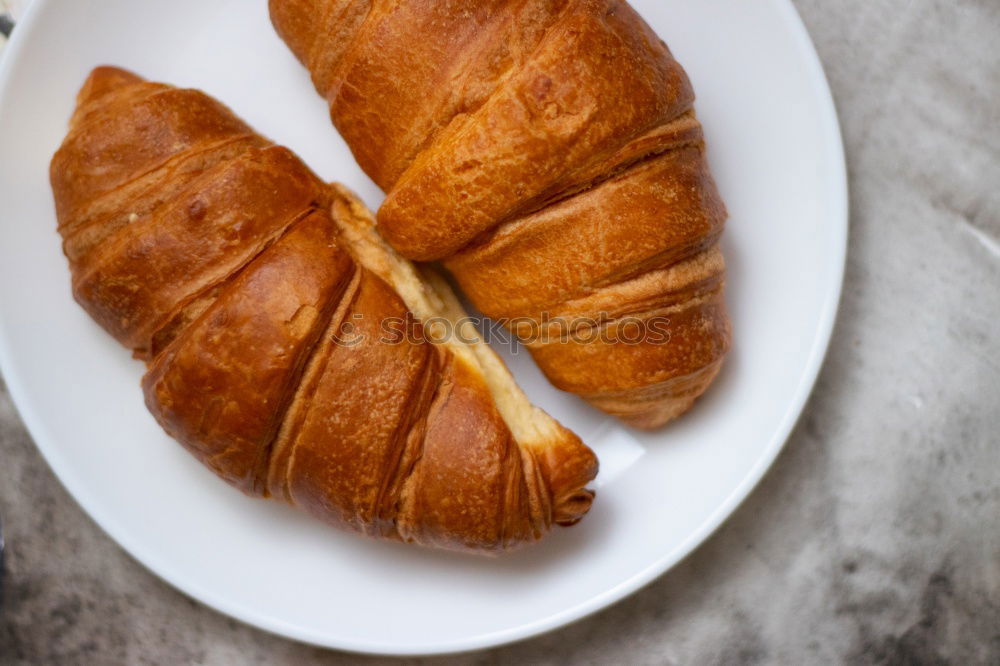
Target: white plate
{"x": 776, "y": 152}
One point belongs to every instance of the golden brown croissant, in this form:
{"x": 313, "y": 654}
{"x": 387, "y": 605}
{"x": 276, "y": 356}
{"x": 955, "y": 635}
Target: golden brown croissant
{"x": 259, "y": 298}
{"x": 547, "y": 151}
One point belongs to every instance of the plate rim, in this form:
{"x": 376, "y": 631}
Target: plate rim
{"x": 837, "y": 185}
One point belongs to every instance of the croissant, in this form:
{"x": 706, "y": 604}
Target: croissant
{"x": 258, "y": 297}
{"x": 548, "y": 152}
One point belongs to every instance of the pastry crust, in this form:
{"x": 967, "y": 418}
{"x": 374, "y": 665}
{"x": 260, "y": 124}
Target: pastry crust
{"x": 548, "y": 153}
{"x": 258, "y": 296}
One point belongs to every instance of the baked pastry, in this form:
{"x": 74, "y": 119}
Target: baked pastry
{"x": 548, "y": 153}
{"x": 283, "y": 338}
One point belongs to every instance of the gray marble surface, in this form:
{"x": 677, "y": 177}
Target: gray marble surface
{"x": 876, "y": 536}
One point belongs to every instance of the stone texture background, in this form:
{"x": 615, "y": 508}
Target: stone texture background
{"x": 876, "y": 537}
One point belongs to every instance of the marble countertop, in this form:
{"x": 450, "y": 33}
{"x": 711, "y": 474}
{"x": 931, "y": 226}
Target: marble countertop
{"x": 876, "y": 536}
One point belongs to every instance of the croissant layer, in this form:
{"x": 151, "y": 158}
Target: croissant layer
{"x": 259, "y": 298}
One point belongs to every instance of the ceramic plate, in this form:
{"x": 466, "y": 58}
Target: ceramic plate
{"x": 776, "y": 152}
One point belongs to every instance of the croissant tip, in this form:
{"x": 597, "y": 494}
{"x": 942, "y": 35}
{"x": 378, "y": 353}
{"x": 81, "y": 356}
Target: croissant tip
{"x": 104, "y": 79}
{"x": 572, "y": 509}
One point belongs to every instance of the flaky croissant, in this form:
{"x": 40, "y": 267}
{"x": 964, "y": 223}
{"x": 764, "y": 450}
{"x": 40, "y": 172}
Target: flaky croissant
{"x": 548, "y": 153}
{"x": 258, "y": 297}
